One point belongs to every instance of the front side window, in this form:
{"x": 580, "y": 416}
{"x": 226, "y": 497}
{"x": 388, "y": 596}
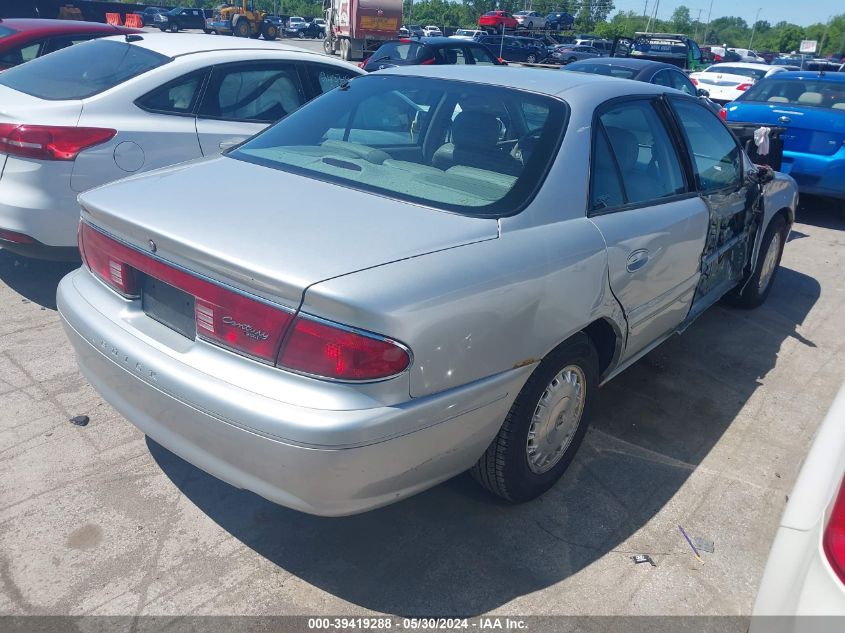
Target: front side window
{"x": 454, "y": 55}
{"x": 20, "y": 55}
{"x": 259, "y": 92}
{"x": 82, "y": 71}
{"x": 452, "y": 145}
{"x": 481, "y": 56}
{"x": 715, "y": 155}
{"x": 646, "y": 157}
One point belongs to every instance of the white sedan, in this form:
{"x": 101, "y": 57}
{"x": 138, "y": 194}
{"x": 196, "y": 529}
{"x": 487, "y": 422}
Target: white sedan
{"x": 103, "y": 110}
{"x": 726, "y": 82}
{"x": 432, "y": 31}
{"x": 466, "y": 34}
{"x": 805, "y": 573}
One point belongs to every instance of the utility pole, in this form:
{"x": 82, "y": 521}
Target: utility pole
{"x": 707, "y": 27}
{"x": 697, "y": 24}
{"x": 645, "y": 10}
{"x": 824, "y": 37}
{"x": 653, "y": 17}
{"x": 754, "y": 28}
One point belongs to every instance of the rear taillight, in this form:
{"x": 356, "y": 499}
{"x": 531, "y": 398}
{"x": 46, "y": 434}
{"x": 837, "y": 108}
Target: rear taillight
{"x": 744, "y": 87}
{"x": 723, "y": 114}
{"x": 834, "y": 536}
{"x": 333, "y": 351}
{"x": 223, "y": 316}
{"x": 50, "y": 142}
{"x": 694, "y": 81}
{"x": 362, "y": 64}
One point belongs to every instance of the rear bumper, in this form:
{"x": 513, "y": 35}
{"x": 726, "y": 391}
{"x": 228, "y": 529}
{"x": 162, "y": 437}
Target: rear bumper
{"x": 817, "y": 174}
{"x": 246, "y": 440}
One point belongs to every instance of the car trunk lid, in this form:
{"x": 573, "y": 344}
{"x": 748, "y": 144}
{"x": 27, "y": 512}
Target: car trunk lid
{"x": 270, "y": 232}
{"x": 808, "y": 130}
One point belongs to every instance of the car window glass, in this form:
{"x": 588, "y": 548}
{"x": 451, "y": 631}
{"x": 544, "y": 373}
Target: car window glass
{"x": 680, "y": 82}
{"x": 58, "y": 43}
{"x": 816, "y": 93}
{"x": 328, "y": 77}
{"x": 454, "y": 55}
{"x": 176, "y": 97}
{"x": 392, "y": 119}
{"x": 261, "y": 92}
{"x": 644, "y": 151}
{"x": 481, "y": 56}
{"x": 662, "y": 78}
{"x": 20, "y": 54}
{"x": 715, "y": 154}
{"x": 605, "y": 186}
{"x": 82, "y": 71}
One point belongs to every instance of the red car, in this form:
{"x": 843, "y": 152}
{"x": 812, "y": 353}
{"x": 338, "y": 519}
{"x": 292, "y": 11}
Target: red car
{"x": 497, "y": 20}
{"x": 23, "y": 39}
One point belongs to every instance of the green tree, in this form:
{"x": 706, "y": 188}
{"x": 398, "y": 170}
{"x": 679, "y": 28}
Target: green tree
{"x": 681, "y": 20}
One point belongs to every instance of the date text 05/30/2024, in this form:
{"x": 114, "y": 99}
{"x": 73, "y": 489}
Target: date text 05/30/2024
{"x": 480, "y": 623}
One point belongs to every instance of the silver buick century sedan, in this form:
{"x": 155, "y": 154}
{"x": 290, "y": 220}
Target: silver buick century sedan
{"x": 478, "y": 250}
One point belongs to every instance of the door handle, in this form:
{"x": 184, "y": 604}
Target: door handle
{"x": 230, "y": 143}
{"x": 636, "y": 260}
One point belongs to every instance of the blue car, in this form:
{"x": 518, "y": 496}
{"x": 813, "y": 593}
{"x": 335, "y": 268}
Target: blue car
{"x": 811, "y": 106}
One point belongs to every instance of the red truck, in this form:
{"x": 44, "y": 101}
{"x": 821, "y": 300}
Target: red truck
{"x": 357, "y": 27}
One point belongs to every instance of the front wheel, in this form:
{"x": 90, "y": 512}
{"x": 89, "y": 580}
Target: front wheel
{"x": 754, "y": 290}
{"x": 545, "y": 425}
{"x": 242, "y": 29}
{"x": 301, "y": 35}
{"x": 270, "y": 32}
{"x": 531, "y": 59}
{"x": 328, "y": 46}
{"x": 174, "y": 28}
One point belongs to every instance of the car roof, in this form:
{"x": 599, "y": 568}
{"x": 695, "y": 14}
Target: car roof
{"x": 811, "y": 74}
{"x": 628, "y": 62}
{"x": 179, "y": 44}
{"x": 743, "y": 65}
{"x": 538, "y": 80}
{"x": 40, "y": 26}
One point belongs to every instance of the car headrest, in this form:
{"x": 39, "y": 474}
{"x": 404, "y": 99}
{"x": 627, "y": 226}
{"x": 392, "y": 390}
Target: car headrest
{"x": 778, "y": 99}
{"x": 811, "y": 98}
{"x": 474, "y": 129}
{"x": 839, "y": 106}
{"x": 624, "y": 145}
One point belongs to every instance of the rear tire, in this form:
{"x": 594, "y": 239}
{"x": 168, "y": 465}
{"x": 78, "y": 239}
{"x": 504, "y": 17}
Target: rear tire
{"x": 531, "y": 59}
{"x": 550, "y": 417}
{"x": 174, "y": 28}
{"x": 301, "y": 34}
{"x": 328, "y": 46}
{"x": 759, "y": 284}
{"x": 242, "y": 29}
{"x": 270, "y": 32}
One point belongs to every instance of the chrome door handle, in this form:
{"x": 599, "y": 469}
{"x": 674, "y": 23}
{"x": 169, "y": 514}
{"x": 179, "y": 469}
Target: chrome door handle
{"x": 637, "y": 260}
{"x": 784, "y": 120}
{"x": 230, "y": 143}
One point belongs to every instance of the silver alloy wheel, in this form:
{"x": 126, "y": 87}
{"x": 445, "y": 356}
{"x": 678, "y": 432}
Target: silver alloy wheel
{"x": 769, "y": 263}
{"x": 556, "y": 419}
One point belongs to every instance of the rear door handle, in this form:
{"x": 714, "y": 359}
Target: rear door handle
{"x": 637, "y": 260}
{"x": 231, "y": 143}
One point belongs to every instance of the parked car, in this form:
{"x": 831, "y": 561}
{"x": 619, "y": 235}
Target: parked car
{"x": 415, "y": 30}
{"x": 719, "y": 54}
{"x": 305, "y": 29}
{"x": 657, "y": 73}
{"x": 672, "y": 48}
{"x": 747, "y": 55}
{"x": 493, "y": 238}
{"x": 179, "y": 19}
{"x": 811, "y": 106}
{"x": 297, "y": 22}
{"x": 529, "y": 19}
{"x": 565, "y": 54}
{"x": 497, "y": 20}
{"x": 467, "y": 34}
{"x": 149, "y": 13}
{"x": 726, "y": 82}
{"x": 515, "y": 49}
{"x": 559, "y": 21}
{"x": 432, "y": 31}
{"x": 805, "y": 571}
{"x": 427, "y": 51}
{"x": 107, "y": 109}
{"x": 24, "y": 39}
{"x": 319, "y": 22}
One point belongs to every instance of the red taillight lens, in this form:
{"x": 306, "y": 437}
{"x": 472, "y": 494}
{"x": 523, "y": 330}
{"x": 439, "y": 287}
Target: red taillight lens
{"x": 49, "y": 142}
{"x": 362, "y": 64}
{"x": 723, "y": 114}
{"x": 321, "y": 349}
{"x": 694, "y": 81}
{"x": 744, "y": 87}
{"x": 223, "y": 316}
{"x": 834, "y": 536}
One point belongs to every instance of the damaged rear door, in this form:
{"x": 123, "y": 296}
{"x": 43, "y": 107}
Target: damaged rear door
{"x": 733, "y": 201}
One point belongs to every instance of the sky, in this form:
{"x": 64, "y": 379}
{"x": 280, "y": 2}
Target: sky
{"x": 799, "y": 12}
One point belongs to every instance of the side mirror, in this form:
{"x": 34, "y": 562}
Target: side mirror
{"x": 701, "y": 92}
{"x": 765, "y": 174}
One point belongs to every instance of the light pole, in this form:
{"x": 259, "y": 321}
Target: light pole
{"x": 753, "y": 28}
{"x": 707, "y": 28}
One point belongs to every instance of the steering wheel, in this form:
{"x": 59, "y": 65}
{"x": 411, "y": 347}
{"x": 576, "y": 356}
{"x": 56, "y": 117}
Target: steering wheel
{"x": 525, "y": 146}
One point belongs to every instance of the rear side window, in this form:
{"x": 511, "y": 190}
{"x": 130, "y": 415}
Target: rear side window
{"x": 328, "y": 77}
{"x": 481, "y": 56}
{"x": 176, "y": 97}
{"x": 5, "y": 31}
{"x": 21, "y": 54}
{"x": 82, "y": 71}
{"x": 258, "y": 92}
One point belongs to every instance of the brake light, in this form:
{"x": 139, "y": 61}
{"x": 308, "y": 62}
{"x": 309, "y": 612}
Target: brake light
{"x": 362, "y": 64}
{"x": 694, "y": 81}
{"x": 50, "y": 142}
{"x": 723, "y": 114}
{"x": 333, "y": 351}
{"x": 744, "y": 87}
{"x": 834, "y": 536}
{"x": 223, "y": 316}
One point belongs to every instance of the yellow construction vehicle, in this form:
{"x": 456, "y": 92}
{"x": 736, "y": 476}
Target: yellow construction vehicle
{"x": 242, "y": 21}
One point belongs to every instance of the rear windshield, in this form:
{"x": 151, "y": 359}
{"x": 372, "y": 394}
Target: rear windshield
{"x": 817, "y": 93}
{"x": 398, "y": 51}
{"x": 753, "y": 73}
{"x": 4, "y": 31}
{"x": 603, "y": 69}
{"x": 81, "y": 71}
{"x": 457, "y": 146}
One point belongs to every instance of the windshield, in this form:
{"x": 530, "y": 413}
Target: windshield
{"x": 82, "y": 70}
{"x": 752, "y": 73}
{"x": 818, "y": 93}
{"x": 462, "y": 147}
{"x": 4, "y": 31}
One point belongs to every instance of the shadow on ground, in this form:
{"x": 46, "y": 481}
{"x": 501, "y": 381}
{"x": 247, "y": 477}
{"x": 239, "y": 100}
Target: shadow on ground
{"x": 34, "y": 279}
{"x": 454, "y": 549}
